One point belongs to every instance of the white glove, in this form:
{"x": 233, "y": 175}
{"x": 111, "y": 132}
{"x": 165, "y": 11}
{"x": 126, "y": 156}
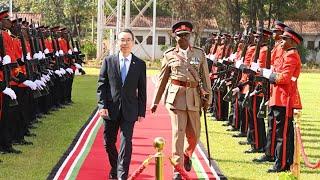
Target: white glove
{"x": 61, "y": 52}
{"x": 253, "y": 93}
{"x": 254, "y": 66}
{"x": 62, "y": 71}
{"x": 30, "y": 84}
{"x": 238, "y": 63}
{"x": 232, "y": 57}
{"x": 50, "y": 72}
{"x": 266, "y": 73}
{"x": 235, "y": 91}
{"x": 75, "y": 49}
{"x": 69, "y": 70}
{"x": 40, "y": 84}
{"x": 57, "y": 54}
{"x": 57, "y": 72}
{"x": 10, "y": 92}
{"x": 6, "y": 60}
{"x": 46, "y": 51}
{"x": 43, "y": 80}
{"x": 212, "y": 57}
{"x": 36, "y": 56}
{"x": 78, "y": 65}
{"x": 70, "y": 51}
{"x": 28, "y": 56}
{"x": 46, "y": 77}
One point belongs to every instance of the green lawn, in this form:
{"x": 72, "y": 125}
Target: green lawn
{"x": 237, "y": 165}
{"x": 56, "y": 132}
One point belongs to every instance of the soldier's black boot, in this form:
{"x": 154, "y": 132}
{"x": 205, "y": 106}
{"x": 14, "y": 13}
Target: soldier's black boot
{"x": 263, "y": 158}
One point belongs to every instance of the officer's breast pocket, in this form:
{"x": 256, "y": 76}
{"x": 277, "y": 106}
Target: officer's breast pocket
{"x": 172, "y": 92}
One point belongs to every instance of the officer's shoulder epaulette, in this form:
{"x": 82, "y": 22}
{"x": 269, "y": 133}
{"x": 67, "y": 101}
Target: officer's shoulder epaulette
{"x": 199, "y": 49}
{"x": 169, "y": 50}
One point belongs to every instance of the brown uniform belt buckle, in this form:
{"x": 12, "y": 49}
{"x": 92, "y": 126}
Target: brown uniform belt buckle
{"x": 184, "y": 83}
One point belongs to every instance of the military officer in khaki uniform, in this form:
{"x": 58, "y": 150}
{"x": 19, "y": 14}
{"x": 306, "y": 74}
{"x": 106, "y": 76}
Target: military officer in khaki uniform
{"x": 184, "y": 79}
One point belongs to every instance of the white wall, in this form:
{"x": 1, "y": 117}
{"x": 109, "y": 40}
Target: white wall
{"x": 313, "y": 54}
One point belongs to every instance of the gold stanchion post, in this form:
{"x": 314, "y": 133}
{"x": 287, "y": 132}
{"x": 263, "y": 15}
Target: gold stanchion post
{"x": 158, "y": 144}
{"x": 295, "y": 169}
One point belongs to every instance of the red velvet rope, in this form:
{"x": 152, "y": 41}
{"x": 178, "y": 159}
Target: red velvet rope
{"x": 304, "y": 156}
{"x": 179, "y": 169}
{"x": 141, "y": 168}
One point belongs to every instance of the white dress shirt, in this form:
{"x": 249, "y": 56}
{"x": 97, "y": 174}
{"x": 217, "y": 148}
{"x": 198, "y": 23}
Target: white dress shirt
{"x": 128, "y": 62}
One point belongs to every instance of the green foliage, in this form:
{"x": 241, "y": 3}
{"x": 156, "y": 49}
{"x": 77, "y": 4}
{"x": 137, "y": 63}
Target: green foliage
{"x": 304, "y": 52}
{"x": 89, "y": 49}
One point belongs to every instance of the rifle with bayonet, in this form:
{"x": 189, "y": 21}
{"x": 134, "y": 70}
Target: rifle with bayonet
{"x": 7, "y": 69}
{"x": 247, "y": 99}
{"x": 237, "y": 72}
{"x": 35, "y": 49}
{"x": 79, "y": 57}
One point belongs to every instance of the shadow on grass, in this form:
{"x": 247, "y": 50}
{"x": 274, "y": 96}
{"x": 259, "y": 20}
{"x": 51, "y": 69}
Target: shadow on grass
{"x": 310, "y": 140}
{"x": 312, "y": 147}
{"x": 311, "y": 171}
{"x": 309, "y": 134}
{"x": 233, "y": 161}
{"x": 310, "y": 129}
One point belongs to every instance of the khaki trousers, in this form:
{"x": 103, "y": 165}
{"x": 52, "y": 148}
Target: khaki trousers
{"x": 185, "y": 124}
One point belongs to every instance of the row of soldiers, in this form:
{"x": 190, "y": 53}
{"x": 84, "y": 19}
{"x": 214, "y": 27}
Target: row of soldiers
{"x": 37, "y": 68}
{"x": 255, "y": 75}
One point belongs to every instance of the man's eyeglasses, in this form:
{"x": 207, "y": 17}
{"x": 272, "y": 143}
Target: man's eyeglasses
{"x": 125, "y": 40}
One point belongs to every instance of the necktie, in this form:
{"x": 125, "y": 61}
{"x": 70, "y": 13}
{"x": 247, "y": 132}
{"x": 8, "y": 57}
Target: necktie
{"x": 123, "y": 70}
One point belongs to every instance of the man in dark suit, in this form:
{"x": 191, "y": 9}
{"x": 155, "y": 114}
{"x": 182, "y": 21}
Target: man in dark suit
{"x": 122, "y": 101}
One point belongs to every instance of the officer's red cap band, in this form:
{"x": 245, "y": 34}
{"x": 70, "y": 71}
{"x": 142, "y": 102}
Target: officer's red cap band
{"x": 183, "y": 28}
{"x": 291, "y": 36}
{"x": 279, "y": 27}
{"x": 3, "y": 15}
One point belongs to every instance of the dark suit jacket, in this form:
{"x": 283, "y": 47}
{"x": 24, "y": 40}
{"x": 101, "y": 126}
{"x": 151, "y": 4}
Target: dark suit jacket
{"x": 130, "y": 97}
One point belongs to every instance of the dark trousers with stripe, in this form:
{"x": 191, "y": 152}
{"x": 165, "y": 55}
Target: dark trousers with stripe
{"x": 271, "y": 135}
{"x": 256, "y": 132}
{"x": 235, "y": 109}
{"x": 284, "y": 134}
{"x": 243, "y": 115}
{"x": 5, "y": 139}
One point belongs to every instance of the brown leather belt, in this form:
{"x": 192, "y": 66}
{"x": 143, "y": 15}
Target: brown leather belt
{"x": 189, "y": 84}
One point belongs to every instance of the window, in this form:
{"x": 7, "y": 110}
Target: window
{"x": 161, "y": 40}
{"x": 310, "y": 45}
{"x": 149, "y": 40}
{"x": 139, "y": 39}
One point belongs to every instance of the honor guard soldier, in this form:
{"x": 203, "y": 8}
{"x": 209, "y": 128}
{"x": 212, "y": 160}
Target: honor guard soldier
{"x": 284, "y": 98}
{"x": 276, "y": 53}
{"x": 184, "y": 79}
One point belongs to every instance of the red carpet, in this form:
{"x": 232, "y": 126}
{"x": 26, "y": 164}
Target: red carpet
{"x": 89, "y": 161}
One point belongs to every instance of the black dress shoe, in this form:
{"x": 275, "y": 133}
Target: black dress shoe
{"x": 275, "y": 170}
{"x": 12, "y": 150}
{"x": 243, "y": 142}
{"x": 253, "y": 150}
{"x": 113, "y": 176}
{"x": 239, "y": 135}
{"x": 232, "y": 129}
{"x": 30, "y": 134}
{"x": 24, "y": 142}
{"x": 187, "y": 163}
{"x": 177, "y": 176}
{"x": 226, "y": 124}
{"x": 263, "y": 158}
